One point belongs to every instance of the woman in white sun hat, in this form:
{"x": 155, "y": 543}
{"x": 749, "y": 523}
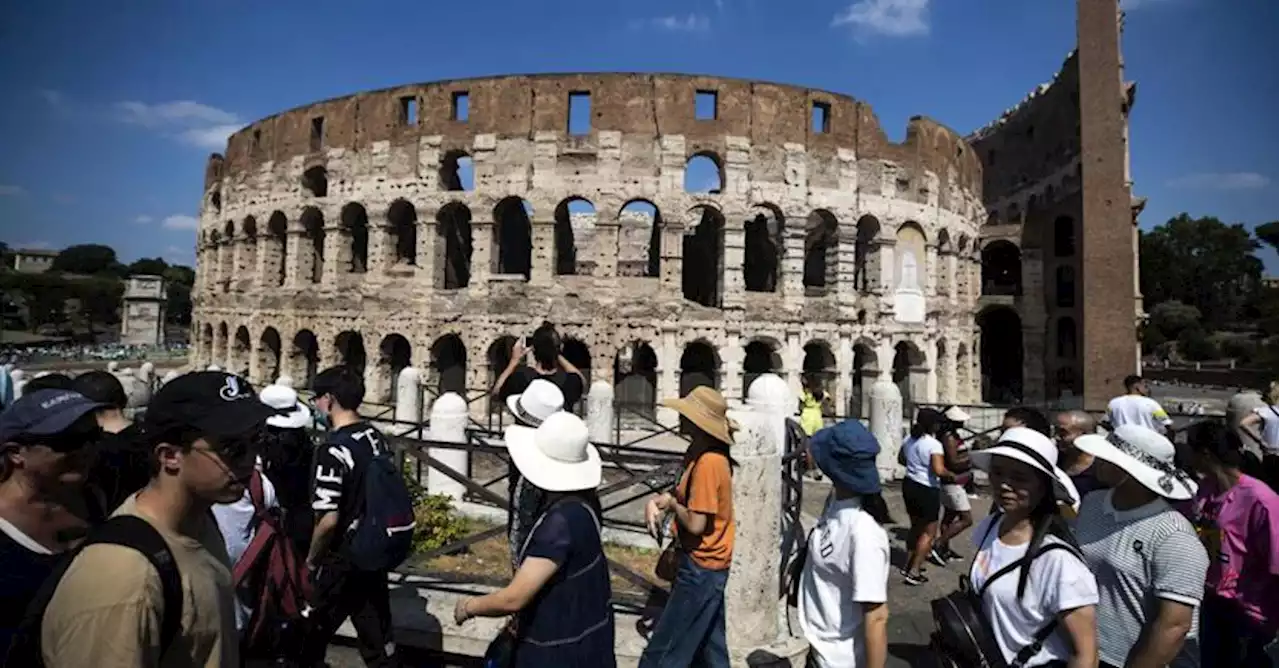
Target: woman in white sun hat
{"x": 1148, "y": 560}
{"x": 287, "y": 455}
{"x": 560, "y": 594}
{"x": 1037, "y": 593}
{"x": 540, "y": 400}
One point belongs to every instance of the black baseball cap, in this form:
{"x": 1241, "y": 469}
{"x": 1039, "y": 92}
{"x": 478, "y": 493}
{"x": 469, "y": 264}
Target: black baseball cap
{"x": 213, "y": 403}
{"x": 44, "y": 413}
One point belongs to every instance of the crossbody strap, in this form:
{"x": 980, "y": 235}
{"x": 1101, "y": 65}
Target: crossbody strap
{"x": 1037, "y": 641}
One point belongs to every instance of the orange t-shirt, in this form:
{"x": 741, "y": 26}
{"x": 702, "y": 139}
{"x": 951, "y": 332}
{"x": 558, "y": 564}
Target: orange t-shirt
{"x": 712, "y": 495}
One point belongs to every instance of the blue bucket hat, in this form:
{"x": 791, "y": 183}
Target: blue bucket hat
{"x": 44, "y": 413}
{"x": 846, "y": 452}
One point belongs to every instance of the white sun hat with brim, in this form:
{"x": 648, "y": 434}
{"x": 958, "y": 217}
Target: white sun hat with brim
{"x": 1145, "y": 455}
{"x": 1034, "y": 449}
{"x": 557, "y": 456}
{"x": 539, "y": 401}
{"x": 292, "y": 414}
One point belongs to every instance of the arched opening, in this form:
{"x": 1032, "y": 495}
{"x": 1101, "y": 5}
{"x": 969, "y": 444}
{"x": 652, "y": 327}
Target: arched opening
{"x": 1064, "y": 236}
{"x": 269, "y": 355}
{"x": 402, "y": 218}
{"x": 702, "y": 267}
{"x": 819, "y": 367}
{"x": 313, "y": 230}
{"x": 866, "y": 368}
{"x": 1065, "y": 286}
{"x": 1001, "y": 355}
{"x": 639, "y": 239}
{"x": 909, "y": 375}
{"x": 316, "y": 181}
{"x": 866, "y": 264}
{"x": 499, "y": 356}
{"x": 578, "y": 353}
{"x": 304, "y": 358}
{"x": 635, "y": 382}
{"x": 350, "y": 348}
{"x": 699, "y": 367}
{"x": 275, "y": 266}
{"x": 703, "y": 174}
{"x": 453, "y": 256}
{"x": 1066, "y": 338}
{"x": 764, "y": 250}
{"x": 240, "y": 351}
{"x": 449, "y": 365}
{"x": 457, "y": 172}
{"x": 1001, "y": 269}
{"x": 572, "y": 214}
{"x": 355, "y": 225}
{"x": 820, "y": 248}
{"x": 513, "y": 237}
{"x": 758, "y": 358}
{"x": 395, "y": 354}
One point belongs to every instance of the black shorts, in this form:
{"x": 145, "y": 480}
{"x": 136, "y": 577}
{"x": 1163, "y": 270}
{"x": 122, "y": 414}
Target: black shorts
{"x": 924, "y": 503}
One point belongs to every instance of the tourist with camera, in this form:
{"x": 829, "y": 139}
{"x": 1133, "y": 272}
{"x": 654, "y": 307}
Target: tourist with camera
{"x": 548, "y": 364}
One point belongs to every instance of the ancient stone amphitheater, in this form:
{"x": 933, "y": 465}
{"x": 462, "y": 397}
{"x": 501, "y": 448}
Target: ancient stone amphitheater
{"x": 678, "y": 229}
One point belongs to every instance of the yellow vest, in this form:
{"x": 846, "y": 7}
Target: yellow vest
{"x": 810, "y": 413}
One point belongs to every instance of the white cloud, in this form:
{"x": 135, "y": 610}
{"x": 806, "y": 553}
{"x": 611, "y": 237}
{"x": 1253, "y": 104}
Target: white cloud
{"x": 180, "y": 222}
{"x": 176, "y": 255}
{"x": 12, "y": 191}
{"x": 1220, "y": 181}
{"x": 892, "y": 18}
{"x": 187, "y": 121}
{"x": 143, "y": 220}
{"x": 213, "y": 138}
{"x": 688, "y": 23}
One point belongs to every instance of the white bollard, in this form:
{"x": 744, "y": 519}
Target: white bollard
{"x": 19, "y": 379}
{"x": 173, "y": 373}
{"x": 112, "y": 366}
{"x": 285, "y": 381}
{"x": 600, "y": 412}
{"x": 449, "y": 420}
{"x": 886, "y": 425}
{"x": 213, "y": 367}
{"x": 408, "y": 397}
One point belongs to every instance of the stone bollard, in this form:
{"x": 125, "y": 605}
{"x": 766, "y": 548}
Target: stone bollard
{"x": 147, "y": 372}
{"x": 600, "y": 412}
{"x": 113, "y": 367}
{"x": 18, "y": 378}
{"x": 173, "y": 373}
{"x": 1238, "y": 406}
{"x": 886, "y": 425}
{"x": 449, "y": 420}
{"x": 409, "y": 397}
{"x": 213, "y": 367}
{"x": 285, "y": 381}
{"x": 143, "y": 386}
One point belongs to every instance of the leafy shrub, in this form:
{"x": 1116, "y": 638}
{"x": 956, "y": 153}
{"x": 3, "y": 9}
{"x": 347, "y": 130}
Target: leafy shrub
{"x": 1196, "y": 346}
{"x": 438, "y": 524}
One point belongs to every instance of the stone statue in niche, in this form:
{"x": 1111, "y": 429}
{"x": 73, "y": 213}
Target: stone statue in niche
{"x": 908, "y": 280}
{"x": 908, "y": 298}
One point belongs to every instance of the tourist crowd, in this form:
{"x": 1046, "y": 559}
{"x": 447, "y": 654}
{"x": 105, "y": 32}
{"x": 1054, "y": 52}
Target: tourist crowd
{"x": 216, "y": 532}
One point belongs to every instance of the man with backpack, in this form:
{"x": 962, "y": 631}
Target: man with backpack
{"x": 364, "y": 525}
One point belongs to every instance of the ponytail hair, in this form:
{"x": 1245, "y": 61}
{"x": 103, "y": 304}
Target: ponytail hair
{"x": 1047, "y": 520}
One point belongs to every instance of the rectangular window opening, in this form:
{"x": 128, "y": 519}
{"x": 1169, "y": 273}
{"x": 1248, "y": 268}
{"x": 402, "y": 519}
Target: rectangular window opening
{"x": 579, "y": 113}
{"x": 317, "y": 133}
{"x": 705, "y": 105}
{"x": 409, "y": 110}
{"x": 991, "y": 157}
{"x": 821, "y": 118}
{"x": 257, "y": 140}
{"x": 460, "y": 111}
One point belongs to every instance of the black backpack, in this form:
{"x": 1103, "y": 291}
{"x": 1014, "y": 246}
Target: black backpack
{"x": 382, "y": 537}
{"x": 129, "y": 531}
{"x": 962, "y": 637}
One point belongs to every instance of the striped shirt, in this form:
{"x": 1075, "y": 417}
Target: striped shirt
{"x": 1139, "y": 557}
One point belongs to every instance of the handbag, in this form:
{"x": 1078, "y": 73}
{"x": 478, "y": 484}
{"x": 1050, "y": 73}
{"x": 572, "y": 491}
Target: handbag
{"x": 963, "y": 636}
{"x": 669, "y": 561}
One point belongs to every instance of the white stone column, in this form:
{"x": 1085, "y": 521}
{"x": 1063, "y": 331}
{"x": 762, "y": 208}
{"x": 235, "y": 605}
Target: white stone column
{"x": 931, "y": 376}
{"x": 844, "y": 373}
{"x": 409, "y": 396}
{"x": 668, "y": 377}
{"x": 886, "y": 425}
{"x": 600, "y": 412}
{"x": 792, "y": 361}
{"x": 18, "y": 378}
{"x": 951, "y": 276}
{"x": 448, "y": 424}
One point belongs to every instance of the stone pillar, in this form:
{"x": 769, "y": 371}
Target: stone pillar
{"x": 600, "y": 412}
{"x": 448, "y": 424}
{"x": 886, "y": 425}
{"x": 732, "y": 356}
{"x": 844, "y": 373}
{"x": 543, "y": 253}
{"x": 732, "y": 260}
{"x": 285, "y": 381}
{"x": 409, "y": 396}
{"x": 882, "y": 281}
{"x": 296, "y": 251}
{"x": 18, "y": 379}
{"x": 337, "y": 252}
{"x": 482, "y": 251}
{"x": 931, "y": 281}
{"x": 668, "y": 376}
{"x": 951, "y": 276}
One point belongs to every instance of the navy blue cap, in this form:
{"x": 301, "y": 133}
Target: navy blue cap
{"x": 44, "y": 413}
{"x": 846, "y": 452}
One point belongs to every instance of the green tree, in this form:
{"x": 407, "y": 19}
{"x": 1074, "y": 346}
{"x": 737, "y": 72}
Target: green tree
{"x": 1172, "y": 317}
{"x": 1196, "y": 345}
{"x": 1266, "y": 232}
{"x": 149, "y": 265}
{"x": 178, "y": 305}
{"x": 180, "y": 274}
{"x": 99, "y": 299}
{"x": 44, "y": 296}
{"x": 87, "y": 260}
{"x": 1204, "y": 263}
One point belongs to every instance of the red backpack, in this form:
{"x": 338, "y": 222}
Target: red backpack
{"x": 270, "y": 579}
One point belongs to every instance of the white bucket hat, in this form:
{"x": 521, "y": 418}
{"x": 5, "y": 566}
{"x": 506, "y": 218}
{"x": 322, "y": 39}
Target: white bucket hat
{"x": 539, "y": 401}
{"x": 293, "y": 413}
{"x": 1147, "y": 456}
{"x": 1035, "y": 450}
{"x": 556, "y": 456}
{"x": 956, "y": 414}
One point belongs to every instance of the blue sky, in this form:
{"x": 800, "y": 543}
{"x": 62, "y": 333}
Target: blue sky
{"x": 111, "y": 108}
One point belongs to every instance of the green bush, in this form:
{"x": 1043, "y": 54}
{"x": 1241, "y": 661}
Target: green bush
{"x": 437, "y": 523}
{"x": 1196, "y": 346}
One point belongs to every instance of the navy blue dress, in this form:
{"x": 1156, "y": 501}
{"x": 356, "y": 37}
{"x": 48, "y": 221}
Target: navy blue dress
{"x": 569, "y": 624}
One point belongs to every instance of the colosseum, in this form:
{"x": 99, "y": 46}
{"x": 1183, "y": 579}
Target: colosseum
{"x": 679, "y": 230}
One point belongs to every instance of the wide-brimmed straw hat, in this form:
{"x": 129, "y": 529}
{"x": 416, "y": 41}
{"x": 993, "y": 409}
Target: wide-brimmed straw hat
{"x": 556, "y": 456}
{"x": 1147, "y": 456}
{"x": 539, "y": 401}
{"x": 706, "y": 409}
{"x": 293, "y": 414}
{"x": 1034, "y": 449}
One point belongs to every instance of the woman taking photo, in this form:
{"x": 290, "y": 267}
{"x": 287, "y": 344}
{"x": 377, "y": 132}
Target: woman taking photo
{"x": 1038, "y": 595}
{"x": 691, "y": 629}
{"x": 560, "y": 593}
{"x": 922, "y": 455}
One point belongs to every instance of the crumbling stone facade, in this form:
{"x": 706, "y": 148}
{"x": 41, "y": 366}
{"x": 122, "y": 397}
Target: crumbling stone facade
{"x": 347, "y": 231}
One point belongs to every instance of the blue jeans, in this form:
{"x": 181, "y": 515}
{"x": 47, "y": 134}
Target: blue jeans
{"x": 691, "y": 629}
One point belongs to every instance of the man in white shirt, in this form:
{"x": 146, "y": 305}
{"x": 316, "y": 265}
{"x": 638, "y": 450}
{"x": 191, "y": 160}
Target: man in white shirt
{"x": 1136, "y": 406}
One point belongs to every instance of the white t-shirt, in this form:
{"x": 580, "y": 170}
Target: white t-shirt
{"x": 848, "y": 565}
{"x": 919, "y": 453}
{"x": 1270, "y": 427}
{"x": 233, "y": 522}
{"x": 1059, "y": 581}
{"x": 1139, "y": 410}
